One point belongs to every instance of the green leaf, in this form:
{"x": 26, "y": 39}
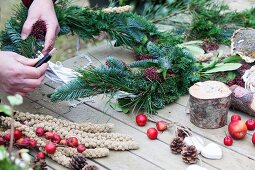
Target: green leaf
{"x": 6, "y": 109}
{"x": 224, "y": 67}
{"x": 15, "y": 100}
{"x": 117, "y": 107}
{"x": 232, "y": 59}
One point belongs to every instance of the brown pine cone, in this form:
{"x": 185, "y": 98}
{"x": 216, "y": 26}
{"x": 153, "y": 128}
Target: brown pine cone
{"x": 189, "y": 154}
{"x": 177, "y": 145}
{"x": 38, "y": 164}
{"x": 78, "y": 162}
{"x": 90, "y": 167}
{"x": 183, "y": 132}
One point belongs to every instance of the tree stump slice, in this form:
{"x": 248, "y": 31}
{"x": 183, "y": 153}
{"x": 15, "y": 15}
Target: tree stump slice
{"x": 209, "y": 104}
{"x": 243, "y": 100}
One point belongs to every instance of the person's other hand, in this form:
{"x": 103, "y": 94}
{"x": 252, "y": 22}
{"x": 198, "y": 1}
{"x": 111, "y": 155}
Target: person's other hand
{"x": 18, "y": 75}
{"x": 42, "y": 10}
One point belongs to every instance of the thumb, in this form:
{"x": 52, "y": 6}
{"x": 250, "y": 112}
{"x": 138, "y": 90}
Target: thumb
{"x": 27, "y": 28}
{"x": 26, "y": 61}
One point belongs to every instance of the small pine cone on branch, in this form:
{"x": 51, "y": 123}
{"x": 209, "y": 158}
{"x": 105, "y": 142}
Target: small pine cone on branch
{"x": 90, "y": 167}
{"x": 176, "y": 145}
{"x": 189, "y": 154}
{"x": 78, "y": 162}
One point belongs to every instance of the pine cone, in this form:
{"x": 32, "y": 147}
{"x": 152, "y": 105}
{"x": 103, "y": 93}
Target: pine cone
{"x": 90, "y": 167}
{"x": 183, "y": 132}
{"x": 78, "y": 162}
{"x": 189, "y": 154}
{"x": 177, "y": 145}
{"x": 38, "y": 164}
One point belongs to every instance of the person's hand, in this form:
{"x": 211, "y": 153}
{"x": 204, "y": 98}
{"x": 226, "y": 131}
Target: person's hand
{"x": 18, "y": 75}
{"x": 42, "y": 10}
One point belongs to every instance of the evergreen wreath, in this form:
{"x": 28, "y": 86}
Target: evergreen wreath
{"x": 163, "y": 71}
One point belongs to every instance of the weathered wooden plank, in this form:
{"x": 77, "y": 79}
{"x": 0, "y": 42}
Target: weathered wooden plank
{"x": 178, "y": 114}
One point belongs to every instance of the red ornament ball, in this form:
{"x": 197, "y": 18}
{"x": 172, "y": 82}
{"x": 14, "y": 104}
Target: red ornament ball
{"x": 32, "y": 143}
{"x": 250, "y": 124}
{"x": 40, "y": 155}
{"x": 39, "y": 131}
{"x": 50, "y": 148}
{"x": 152, "y": 133}
{"x": 228, "y": 141}
{"x": 161, "y": 125}
{"x": 17, "y": 134}
{"x": 235, "y": 117}
{"x": 141, "y": 119}
{"x": 72, "y": 142}
{"x": 81, "y": 148}
{"x": 253, "y": 138}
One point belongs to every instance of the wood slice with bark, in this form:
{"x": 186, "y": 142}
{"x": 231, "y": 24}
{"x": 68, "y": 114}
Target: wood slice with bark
{"x": 243, "y": 100}
{"x": 209, "y": 104}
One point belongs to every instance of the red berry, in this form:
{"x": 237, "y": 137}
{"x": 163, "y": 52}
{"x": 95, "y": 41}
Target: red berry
{"x": 152, "y": 133}
{"x": 81, "y": 148}
{"x": 40, "y": 155}
{"x": 141, "y": 119}
{"x": 39, "y": 131}
{"x": 63, "y": 142}
{"x": 23, "y": 142}
{"x": 228, "y": 141}
{"x": 161, "y": 125}
{"x": 253, "y": 138}
{"x": 72, "y": 142}
{"x": 17, "y": 134}
{"x": 32, "y": 143}
{"x": 250, "y": 124}
{"x": 49, "y": 135}
{"x": 56, "y": 138}
{"x": 50, "y": 147}
{"x": 235, "y": 117}
{"x": 7, "y": 137}
{"x": 2, "y": 141}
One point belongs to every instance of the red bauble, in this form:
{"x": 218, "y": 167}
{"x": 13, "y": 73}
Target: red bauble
{"x": 152, "y": 133}
{"x": 81, "y": 148}
{"x": 253, "y": 138}
{"x": 7, "y": 137}
{"x": 141, "y": 119}
{"x": 2, "y": 141}
{"x": 235, "y": 117}
{"x": 50, "y": 148}
{"x": 39, "y": 131}
{"x": 161, "y": 125}
{"x": 17, "y": 134}
{"x": 49, "y": 135}
{"x": 250, "y": 124}
{"x": 40, "y": 155}
{"x": 228, "y": 141}
{"x": 237, "y": 129}
{"x": 56, "y": 138}
{"x": 23, "y": 142}
{"x": 72, "y": 142}
{"x": 32, "y": 143}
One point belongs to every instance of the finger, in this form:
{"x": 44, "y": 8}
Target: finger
{"x": 50, "y": 37}
{"x": 27, "y": 27}
{"x": 34, "y": 73}
{"x": 33, "y": 83}
{"x": 26, "y": 61}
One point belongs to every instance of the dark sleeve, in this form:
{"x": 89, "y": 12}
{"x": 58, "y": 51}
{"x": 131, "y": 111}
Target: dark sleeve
{"x": 27, "y": 3}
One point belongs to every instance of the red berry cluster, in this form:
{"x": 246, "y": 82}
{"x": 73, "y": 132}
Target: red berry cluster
{"x": 152, "y": 133}
{"x": 208, "y": 45}
{"x": 51, "y": 147}
{"x": 237, "y": 81}
{"x": 39, "y": 30}
{"x": 19, "y": 140}
{"x": 143, "y": 57}
{"x": 238, "y": 129}
{"x": 151, "y": 73}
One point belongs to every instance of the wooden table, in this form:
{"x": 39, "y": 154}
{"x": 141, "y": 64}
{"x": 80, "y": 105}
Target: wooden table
{"x": 153, "y": 154}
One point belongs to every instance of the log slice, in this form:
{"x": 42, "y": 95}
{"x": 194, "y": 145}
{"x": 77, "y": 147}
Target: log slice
{"x": 209, "y": 104}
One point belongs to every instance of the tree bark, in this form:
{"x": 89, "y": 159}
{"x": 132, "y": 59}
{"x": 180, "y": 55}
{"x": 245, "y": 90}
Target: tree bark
{"x": 209, "y": 104}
